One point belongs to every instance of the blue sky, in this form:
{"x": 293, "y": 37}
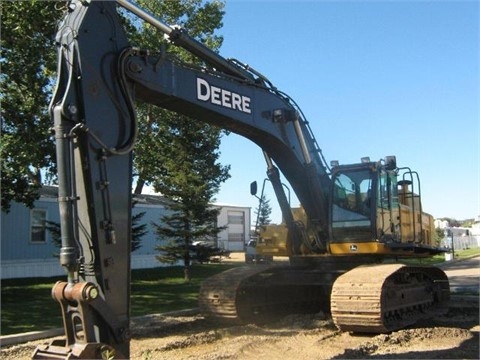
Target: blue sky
{"x": 374, "y": 78}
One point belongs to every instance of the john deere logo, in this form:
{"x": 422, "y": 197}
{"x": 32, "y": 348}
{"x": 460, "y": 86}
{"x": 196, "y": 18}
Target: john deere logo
{"x": 222, "y": 97}
{"x": 353, "y": 248}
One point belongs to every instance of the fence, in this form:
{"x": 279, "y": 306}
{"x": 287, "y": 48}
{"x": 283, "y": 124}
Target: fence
{"x": 461, "y": 242}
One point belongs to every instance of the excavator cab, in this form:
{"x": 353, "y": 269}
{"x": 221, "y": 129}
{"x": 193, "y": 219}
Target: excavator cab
{"x": 353, "y": 203}
{"x": 374, "y": 209}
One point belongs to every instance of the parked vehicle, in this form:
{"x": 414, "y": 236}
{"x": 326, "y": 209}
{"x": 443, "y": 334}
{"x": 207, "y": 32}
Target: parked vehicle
{"x": 252, "y": 255}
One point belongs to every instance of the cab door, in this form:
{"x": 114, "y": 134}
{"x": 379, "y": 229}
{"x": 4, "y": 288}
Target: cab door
{"x": 353, "y": 205}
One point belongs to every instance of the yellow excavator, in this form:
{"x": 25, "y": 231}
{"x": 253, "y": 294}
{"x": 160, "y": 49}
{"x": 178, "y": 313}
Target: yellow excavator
{"x": 374, "y": 219}
{"x": 354, "y": 220}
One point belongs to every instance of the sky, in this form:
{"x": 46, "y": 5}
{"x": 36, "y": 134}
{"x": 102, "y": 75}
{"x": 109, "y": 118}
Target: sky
{"x": 373, "y": 78}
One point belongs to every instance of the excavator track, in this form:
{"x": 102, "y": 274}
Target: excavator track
{"x": 218, "y": 294}
{"x": 255, "y": 294}
{"x": 384, "y": 298}
{"x": 368, "y": 298}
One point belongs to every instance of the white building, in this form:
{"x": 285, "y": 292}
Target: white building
{"x": 476, "y": 227}
{"x": 236, "y": 221}
{"x": 27, "y": 247}
{"x": 441, "y": 224}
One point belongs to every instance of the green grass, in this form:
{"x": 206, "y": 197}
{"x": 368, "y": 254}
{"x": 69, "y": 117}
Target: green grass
{"x": 438, "y": 259}
{"x": 461, "y": 254}
{"x": 27, "y": 304}
{"x": 163, "y": 290}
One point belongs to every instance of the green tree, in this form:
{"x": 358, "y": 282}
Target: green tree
{"x": 438, "y": 236}
{"x": 28, "y": 60}
{"x": 200, "y": 19}
{"x": 176, "y": 154}
{"x": 28, "y": 64}
{"x": 195, "y": 177}
{"x": 451, "y": 221}
{"x": 138, "y": 231}
{"x": 467, "y": 222}
{"x": 263, "y": 212}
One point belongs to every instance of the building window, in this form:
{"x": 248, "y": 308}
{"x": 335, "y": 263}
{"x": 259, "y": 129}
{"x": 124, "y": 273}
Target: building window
{"x": 234, "y": 237}
{"x": 236, "y": 217}
{"x": 38, "y": 232}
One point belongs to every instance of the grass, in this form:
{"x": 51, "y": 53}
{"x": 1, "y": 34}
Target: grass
{"x": 438, "y": 259}
{"x": 162, "y": 290}
{"x": 462, "y": 254}
{"x": 27, "y": 304}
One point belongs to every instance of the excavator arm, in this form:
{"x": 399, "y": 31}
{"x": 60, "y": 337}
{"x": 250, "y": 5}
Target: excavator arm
{"x": 100, "y": 76}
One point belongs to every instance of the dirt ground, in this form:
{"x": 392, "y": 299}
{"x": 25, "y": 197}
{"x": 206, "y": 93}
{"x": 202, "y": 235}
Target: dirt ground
{"x": 296, "y": 337}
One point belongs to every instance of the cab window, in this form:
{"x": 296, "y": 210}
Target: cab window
{"x": 353, "y": 191}
{"x": 387, "y": 191}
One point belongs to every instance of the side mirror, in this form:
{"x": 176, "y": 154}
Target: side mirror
{"x": 253, "y": 188}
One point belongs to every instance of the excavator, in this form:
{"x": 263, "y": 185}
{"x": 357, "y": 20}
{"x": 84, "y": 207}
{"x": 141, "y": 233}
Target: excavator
{"x": 343, "y": 242}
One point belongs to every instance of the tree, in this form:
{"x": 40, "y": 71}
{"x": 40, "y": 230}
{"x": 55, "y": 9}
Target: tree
{"x": 451, "y": 222}
{"x": 263, "y": 211}
{"x": 54, "y": 230}
{"x": 28, "y": 63}
{"x": 138, "y": 231}
{"x": 200, "y": 19}
{"x": 176, "y": 154}
{"x": 438, "y": 236}
{"x": 28, "y": 55}
{"x": 195, "y": 177}
{"x": 28, "y": 59}
{"x": 467, "y": 222}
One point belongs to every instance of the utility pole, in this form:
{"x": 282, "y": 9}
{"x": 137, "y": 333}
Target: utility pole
{"x": 453, "y": 248}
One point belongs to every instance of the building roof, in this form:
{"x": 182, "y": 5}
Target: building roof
{"x": 149, "y": 199}
{"x": 51, "y": 192}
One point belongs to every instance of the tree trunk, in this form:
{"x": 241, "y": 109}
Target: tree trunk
{"x": 139, "y": 186}
{"x": 35, "y": 176}
{"x": 187, "y": 262}
{"x": 186, "y": 254}
{"x": 187, "y": 274}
